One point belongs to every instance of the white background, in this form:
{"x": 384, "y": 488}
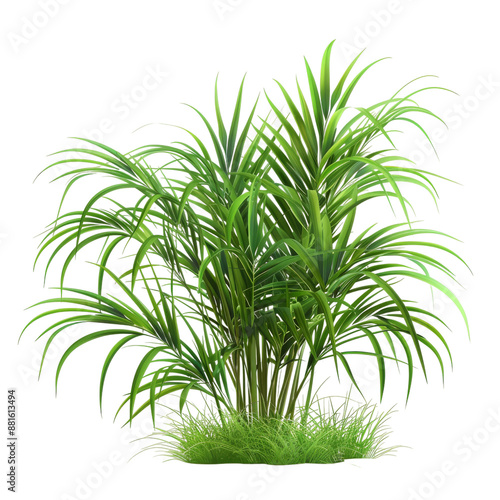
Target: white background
{"x": 82, "y": 70}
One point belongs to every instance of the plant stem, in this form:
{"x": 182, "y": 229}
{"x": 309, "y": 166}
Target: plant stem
{"x": 253, "y": 375}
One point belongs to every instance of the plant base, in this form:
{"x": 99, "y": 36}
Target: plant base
{"x": 208, "y": 438}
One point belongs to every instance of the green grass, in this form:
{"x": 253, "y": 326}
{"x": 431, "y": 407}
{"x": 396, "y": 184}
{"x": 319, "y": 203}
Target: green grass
{"x": 323, "y": 437}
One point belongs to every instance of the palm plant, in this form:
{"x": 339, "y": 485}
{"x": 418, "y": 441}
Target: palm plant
{"x": 246, "y": 272}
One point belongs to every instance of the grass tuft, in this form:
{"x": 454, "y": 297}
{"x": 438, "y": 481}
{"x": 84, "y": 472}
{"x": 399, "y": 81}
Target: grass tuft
{"x": 316, "y": 437}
